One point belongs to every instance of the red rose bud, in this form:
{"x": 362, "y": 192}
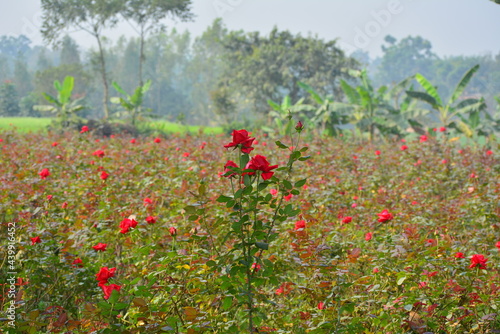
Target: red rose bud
{"x": 173, "y": 231}
{"x": 299, "y": 126}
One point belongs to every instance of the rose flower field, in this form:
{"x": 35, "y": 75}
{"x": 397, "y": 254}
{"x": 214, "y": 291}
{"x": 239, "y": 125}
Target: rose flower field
{"x": 248, "y": 232}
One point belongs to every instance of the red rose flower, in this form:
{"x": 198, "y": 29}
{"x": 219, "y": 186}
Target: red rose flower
{"x": 157, "y": 140}
{"x": 497, "y": 245}
{"x": 385, "y": 216}
{"x": 173, "y": 231}
{"x": 147, "y": 201}
{"x": 98, "y": 153}
{"x": 300, "y": 224}
{"x": 105, "y": 274}
{"x": 100, "y": 247}
{"x": 255, "y": 267}
{"x": 133, "y": 141}
{"x": 442, "y": 129}
{"x": 84, "y": 129}
{"x": 259, "y": 162}
{"x": 346, "y": 220}
{"x": 64, "y": 205}
{"x": 321, "y": 306}
{"x": 151, "y": 220}
{"x": 489, "y": 152}
{"x": 35, "y": 240}
{"x": 104, "y": 175}
{"x": 229, "y": 163}
{"x": 54, "y": 144}
{"x": 459, "y": 255}
{"x": 368, "y": 236}
{"x": 377, "y": 152}
{"x": 241, "y": 137}
{"x": 127, "y": 224}
{"x": 404, "y": 148}
{"x": 108, "y": 289}
{"x": 44, "y": 173}
{"x": 423, "y": 138}
{"x": 478, "y": 260}
{"x": 77, "y": 262}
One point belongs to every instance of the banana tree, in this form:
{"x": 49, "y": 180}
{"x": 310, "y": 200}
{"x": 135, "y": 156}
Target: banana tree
{"x": 404, "y": 110}
{"x": 63, "y": 106}
{"x": 131, "y": 104}
{"x": 368, "y": 108}
{"x": 327, "y": 116}
{"x": 282, "y": 114}
{"x": 449, "y": 112}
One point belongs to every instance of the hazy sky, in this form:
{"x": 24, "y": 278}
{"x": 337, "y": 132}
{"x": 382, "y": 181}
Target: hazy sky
{"x": 453, "y": 26}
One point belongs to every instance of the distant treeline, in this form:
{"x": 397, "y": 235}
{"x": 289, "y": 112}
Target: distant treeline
{"x": 223, "y": 76}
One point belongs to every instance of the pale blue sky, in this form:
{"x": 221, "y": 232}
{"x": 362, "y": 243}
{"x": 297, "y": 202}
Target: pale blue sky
{"x": 453, "y": 26}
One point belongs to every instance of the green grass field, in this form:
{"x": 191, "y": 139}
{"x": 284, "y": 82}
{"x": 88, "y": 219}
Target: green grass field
{"x": 34, "y": 124}
{"x": 24, "y": 124}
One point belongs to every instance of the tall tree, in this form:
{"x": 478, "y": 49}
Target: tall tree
{"x": 69, "y": 51}
{"x": 22, "y": 78}
{"x": 92, "y": 16}
{"x": 147, "y": 14}
{"x": 269, "y": 67}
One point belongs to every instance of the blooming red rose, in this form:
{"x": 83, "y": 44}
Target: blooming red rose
{"x": 404, "y": 148}
{"x": 489, "y": 152}
{"x": 459, "y": 255}
{"x": 151, "y": 220}
{"x": 300, "y": 224}
{"x": 77, "y": 262}
{"x": 157, "y": 140}
{"x": 98, "y": 153}
{"x": 100, "y": 247}
{"x": 64, "y": 205}
{"x": 497, "y": 245}
{"x": 127, "y": 224}
{"x": 423, "y": 138}
{"x": 133, "y": 141}
{"x": 241, "y": 137}
{"x": 44, "y": 173}
{"x": 478, "y": 260}
{"x": 49, "y": 197}
{"x": 442, "y": 129}
{"x": 229, "y": 163}
{"x": 108, "y": 289}
{"x": 273, "y": 191}
{"x": 35, "y": 240}
{"x": 147, "y": 201}
{"x": 84, "y": 129}
{"x": 173, "y": 231}
{"x": 288, "y": 197}
{"x": 54, "y": 144}
{"x": 368, "y": 236}
{"x": 104, "y": 175}
{"x": 377, "y": 152}
{"x": 385, "y": 216}
{"x": 259, "y": 162}
{"x": 346, "y": 220}
{"x": 105, "y": 274}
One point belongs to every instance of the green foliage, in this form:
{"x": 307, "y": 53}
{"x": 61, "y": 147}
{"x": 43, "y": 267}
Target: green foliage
{"x": 269, "y": 67}
{"x": 448, "y": 113}
{"x": 9, "y": 100}
{"x": 62, "y": 105}
{"x": 132, "y": 104}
